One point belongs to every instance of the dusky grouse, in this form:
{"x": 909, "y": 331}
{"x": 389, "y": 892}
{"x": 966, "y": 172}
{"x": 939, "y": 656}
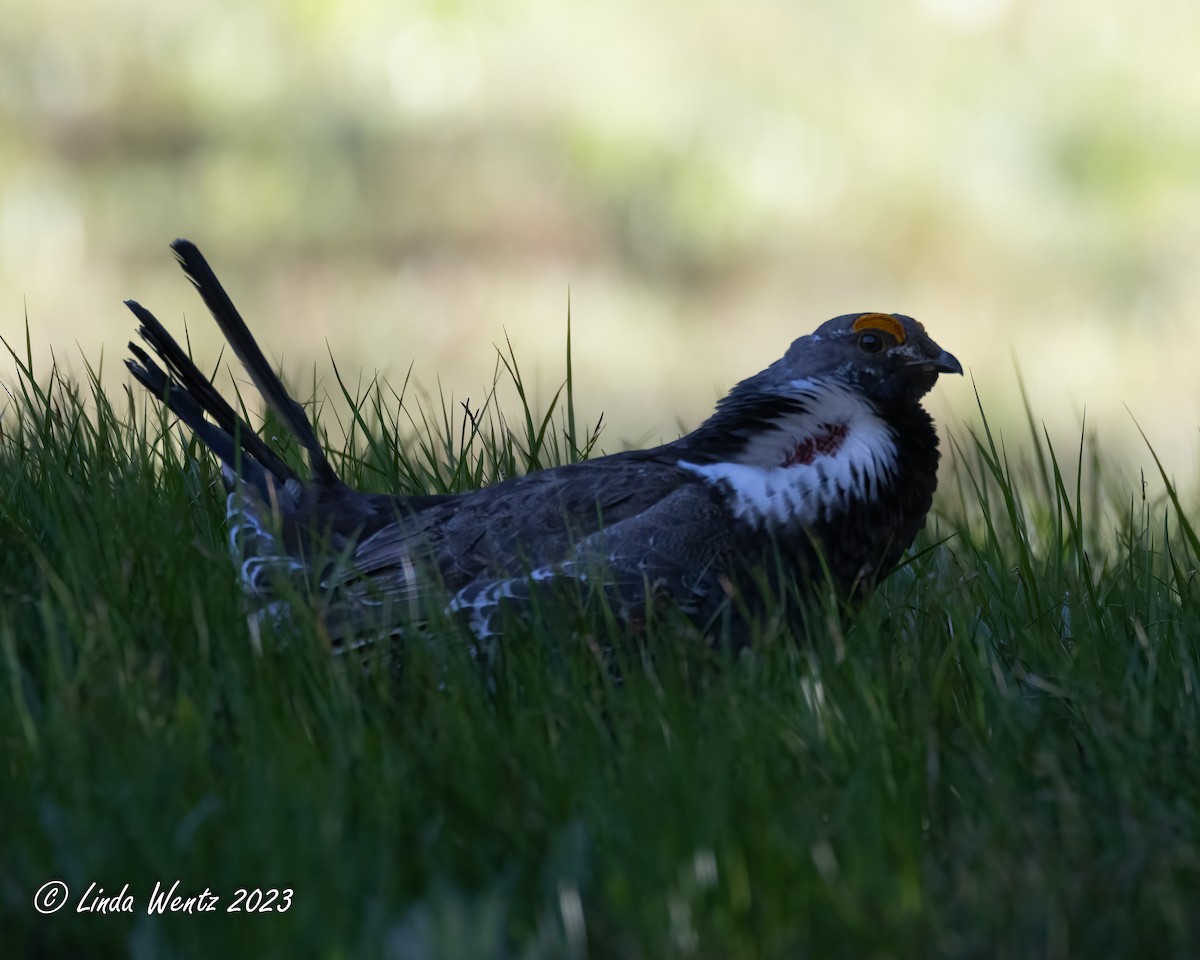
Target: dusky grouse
{"x": 820, "y": 468}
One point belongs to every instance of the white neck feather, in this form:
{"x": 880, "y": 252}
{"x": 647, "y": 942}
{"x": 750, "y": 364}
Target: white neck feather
{"x": 846, "y": 451}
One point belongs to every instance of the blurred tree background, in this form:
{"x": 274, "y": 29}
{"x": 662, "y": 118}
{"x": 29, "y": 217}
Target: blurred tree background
{"x": 409, "y": 181}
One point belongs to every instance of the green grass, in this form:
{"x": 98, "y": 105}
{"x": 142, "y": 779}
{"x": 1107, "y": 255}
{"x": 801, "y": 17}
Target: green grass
{"x": 996, "y": 757}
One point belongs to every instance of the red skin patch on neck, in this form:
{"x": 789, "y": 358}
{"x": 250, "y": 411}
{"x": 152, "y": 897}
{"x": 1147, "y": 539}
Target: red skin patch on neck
{"x": 825, "y": 443}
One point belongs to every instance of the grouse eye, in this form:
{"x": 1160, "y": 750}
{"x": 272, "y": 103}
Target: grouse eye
{"x": 870, "y": 343}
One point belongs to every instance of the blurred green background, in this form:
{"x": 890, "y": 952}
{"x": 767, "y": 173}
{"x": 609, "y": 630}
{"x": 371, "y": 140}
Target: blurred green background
{"x": 405, "y": 182}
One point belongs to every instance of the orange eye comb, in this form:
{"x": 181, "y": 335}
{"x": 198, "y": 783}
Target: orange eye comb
{"x": 880, "y": 321}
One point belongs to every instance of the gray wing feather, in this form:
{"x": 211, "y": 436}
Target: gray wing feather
{"x": 636, "y": 529}
{"x": 676, "y": 549}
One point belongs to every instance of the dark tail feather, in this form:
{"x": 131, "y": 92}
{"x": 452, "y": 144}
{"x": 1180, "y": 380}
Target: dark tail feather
{"x": 185, "y": 407}
{"x": 190, "y": 394}
{"x": 247, "y": 350}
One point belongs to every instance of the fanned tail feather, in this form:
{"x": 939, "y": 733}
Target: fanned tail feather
{"x": 264, "y": 488}
{"x": 247, "y": 350}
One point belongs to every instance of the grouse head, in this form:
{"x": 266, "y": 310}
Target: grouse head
{"x": 832, "y": 433}
{"x": 877, "y": 365}
{"x": 887, "y": 358}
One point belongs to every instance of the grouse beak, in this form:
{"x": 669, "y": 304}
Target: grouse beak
{"x": 944, "y": 362}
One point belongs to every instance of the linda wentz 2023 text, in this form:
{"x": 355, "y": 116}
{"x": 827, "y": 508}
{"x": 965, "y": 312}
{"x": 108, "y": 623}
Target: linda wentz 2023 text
{"x": 171, "y": 900}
